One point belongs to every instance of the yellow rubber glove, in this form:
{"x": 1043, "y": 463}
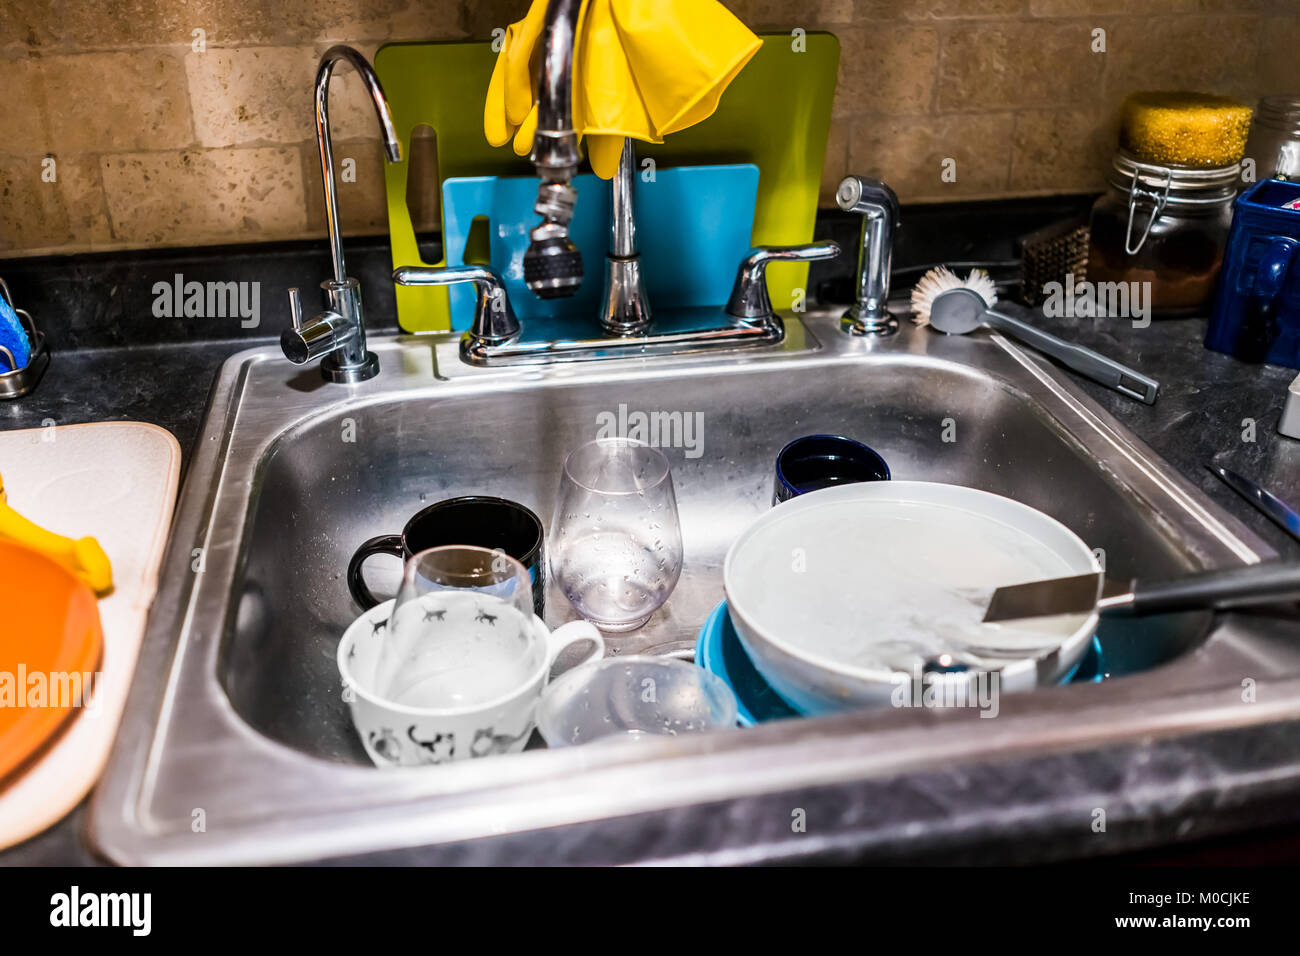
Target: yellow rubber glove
{"x": 82, "y": 556}
{"x": 606, "y": 107}
{"x": 642, "y": 69}
{"x": 511, "y": 108}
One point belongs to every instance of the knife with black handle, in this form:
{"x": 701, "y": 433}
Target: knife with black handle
{"x": 1206, "y": 590}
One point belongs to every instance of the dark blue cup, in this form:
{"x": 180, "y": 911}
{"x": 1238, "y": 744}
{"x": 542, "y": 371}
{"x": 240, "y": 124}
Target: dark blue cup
{"x": 823, "y": 461}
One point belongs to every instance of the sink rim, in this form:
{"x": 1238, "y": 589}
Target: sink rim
{"x": 124, "y": 822}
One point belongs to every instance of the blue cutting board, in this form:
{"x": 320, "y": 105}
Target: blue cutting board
{"x": 693, "y": 228}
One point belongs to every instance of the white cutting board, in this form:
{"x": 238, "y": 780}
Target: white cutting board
{"x": 115, "y": 481}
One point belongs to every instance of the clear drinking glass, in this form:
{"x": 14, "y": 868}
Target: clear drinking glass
{"x": 616, "y": 545}
{"x": 461, "y": 632}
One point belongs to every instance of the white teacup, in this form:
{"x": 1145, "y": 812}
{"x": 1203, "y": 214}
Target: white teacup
{"x": 396, "y": 735}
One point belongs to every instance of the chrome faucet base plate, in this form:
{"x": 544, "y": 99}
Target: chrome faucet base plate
{"x": 853, "y": 325}
{"x": 331, "y": 371}
{"x": 671, "y": 332}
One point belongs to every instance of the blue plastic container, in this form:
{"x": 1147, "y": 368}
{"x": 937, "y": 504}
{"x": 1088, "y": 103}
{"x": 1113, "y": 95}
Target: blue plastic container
{"x": 1257, "y": 309}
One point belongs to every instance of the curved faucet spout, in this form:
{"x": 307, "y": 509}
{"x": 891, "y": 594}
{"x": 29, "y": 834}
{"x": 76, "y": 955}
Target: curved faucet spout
{"x": 555, "y": 144}
{"x": 337, "y": 336}
{"x": 392, "y": 146}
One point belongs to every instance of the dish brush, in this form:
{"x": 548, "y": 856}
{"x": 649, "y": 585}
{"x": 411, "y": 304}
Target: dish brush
{"x": 956, "y": 306}
{"x": 941, "y": 279}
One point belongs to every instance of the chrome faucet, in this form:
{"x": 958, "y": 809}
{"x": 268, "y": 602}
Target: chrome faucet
{"x": 879, "y": 208}
{"x": 337, "y": 335}
{"x": 625, "y": 308}
{"x": 553, "y": 264}
{"x": 748, "y": 318}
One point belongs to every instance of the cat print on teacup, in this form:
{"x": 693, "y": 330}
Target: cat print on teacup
{"x": 441, "y": 747}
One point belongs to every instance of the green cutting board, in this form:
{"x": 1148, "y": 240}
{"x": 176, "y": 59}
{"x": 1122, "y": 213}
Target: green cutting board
{"x": 776, "y": 114}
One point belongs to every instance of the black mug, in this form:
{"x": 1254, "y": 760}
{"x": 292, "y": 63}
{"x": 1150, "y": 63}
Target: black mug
{"x": 479, "y": 520}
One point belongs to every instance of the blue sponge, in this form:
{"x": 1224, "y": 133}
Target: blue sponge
{"x": 13, "y": 337}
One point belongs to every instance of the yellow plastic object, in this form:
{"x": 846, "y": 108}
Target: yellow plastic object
{"x": 82, "y": 556}
{"x": 641, "y": 69}
{"x": 1184, "y": 129}
{"x": 776, "y": 114}
{"x": 510, "y": 110}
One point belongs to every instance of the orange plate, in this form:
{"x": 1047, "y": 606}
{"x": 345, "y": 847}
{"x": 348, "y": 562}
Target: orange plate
{"x": 49, "y": 626}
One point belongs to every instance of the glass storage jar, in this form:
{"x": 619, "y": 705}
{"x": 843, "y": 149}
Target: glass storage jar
{"x": 1166, "y": 226}
{"x": 1274, "y": 140}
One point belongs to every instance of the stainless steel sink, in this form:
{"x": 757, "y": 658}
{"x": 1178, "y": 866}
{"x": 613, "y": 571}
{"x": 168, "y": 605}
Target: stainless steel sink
{"x": 236, "y": 718}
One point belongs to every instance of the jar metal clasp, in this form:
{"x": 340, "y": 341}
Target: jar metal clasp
{"x": 1157, "y": 199}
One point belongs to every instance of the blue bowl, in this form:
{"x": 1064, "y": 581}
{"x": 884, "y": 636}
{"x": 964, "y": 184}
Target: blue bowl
{"x": 719, "y": 651}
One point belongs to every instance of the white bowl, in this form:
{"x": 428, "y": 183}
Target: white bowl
{"x": 809, "y": 590}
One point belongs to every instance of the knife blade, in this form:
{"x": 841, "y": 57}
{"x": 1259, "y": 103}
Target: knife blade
{"x": 1077, "y": 594}
{"x": 1268, "y": 503}
{"x": 1220, "y": 589}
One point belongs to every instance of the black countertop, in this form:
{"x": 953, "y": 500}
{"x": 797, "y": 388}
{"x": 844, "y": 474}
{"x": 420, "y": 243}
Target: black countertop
{"x": 166, "y": 385}
{"x": 1212, "y": 408}
{"x": 1205, "y": 400}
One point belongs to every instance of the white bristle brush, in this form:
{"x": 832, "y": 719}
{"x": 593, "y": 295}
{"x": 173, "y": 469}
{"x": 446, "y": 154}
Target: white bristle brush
{"x": 941, "y": 279}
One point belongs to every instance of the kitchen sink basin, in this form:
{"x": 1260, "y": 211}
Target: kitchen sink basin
{"x": 237, "y": 717}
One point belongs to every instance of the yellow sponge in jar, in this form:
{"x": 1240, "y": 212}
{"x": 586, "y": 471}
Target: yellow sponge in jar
{"x": 1184, "y": 129}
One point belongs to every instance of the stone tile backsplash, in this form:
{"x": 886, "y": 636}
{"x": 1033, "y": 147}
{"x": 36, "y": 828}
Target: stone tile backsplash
{"x": 117, "y": 133}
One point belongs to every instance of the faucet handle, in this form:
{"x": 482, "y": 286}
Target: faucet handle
{"x": 807, "y": 252}
{"x": 494, "y": 317}
{"x": 318, "y": 337}
{"x": 749, "y": 300}
{"x": 295, "y": 309}
{"x": 327, "y": 332}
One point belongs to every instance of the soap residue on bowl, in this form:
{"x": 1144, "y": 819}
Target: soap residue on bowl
{"x": 887, "y": 585}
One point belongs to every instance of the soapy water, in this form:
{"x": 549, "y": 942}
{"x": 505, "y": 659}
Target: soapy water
{"x": 892, "y": 586}
{"x": 455, "y": 649}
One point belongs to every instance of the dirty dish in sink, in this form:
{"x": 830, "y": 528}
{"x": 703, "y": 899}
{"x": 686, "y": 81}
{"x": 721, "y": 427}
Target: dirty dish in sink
{"x": 480, "y": 520}
{"x": 719, "y": 651}
{"x": 53, "y": 635}
{"x": 461, "y": 632}
{"x": 841, "y": 594}
{"x": 633, "y": 697}
{"x": 814, "y": 462}
{"x": 616, "y": 544}
{"x": 484, "y": 715}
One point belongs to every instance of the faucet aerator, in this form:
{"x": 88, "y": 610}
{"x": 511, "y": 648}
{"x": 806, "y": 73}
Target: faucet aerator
{"x": 553, "y": 267}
